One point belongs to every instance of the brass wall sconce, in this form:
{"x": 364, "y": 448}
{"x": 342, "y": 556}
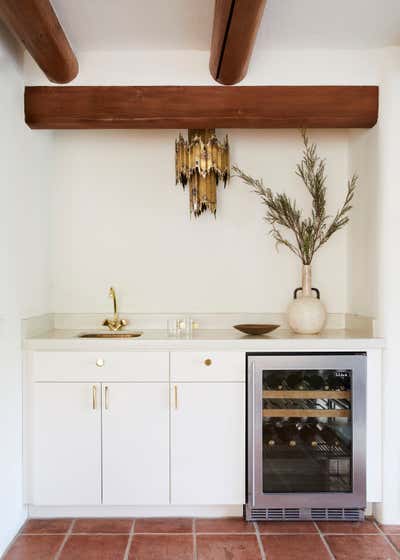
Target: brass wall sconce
{"x": 202, "y": 161}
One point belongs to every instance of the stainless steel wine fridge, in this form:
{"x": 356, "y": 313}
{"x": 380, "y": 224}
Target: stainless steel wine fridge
{"x": 306, "y": 436}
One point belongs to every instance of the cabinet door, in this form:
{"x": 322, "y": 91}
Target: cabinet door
{"x": 135, "y": 443}
{"x": 66, "y": 444}
{"x": 208, "y": 443}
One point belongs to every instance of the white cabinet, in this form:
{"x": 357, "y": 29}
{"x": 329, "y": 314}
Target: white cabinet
{"x": 208, "y": 443}
{"x": 112, "y": 436}
{"x": 98, "y": 428}
{"x": 374, "y": 426}
{"x": 135, "y": 443}
{"x": 101, "y": 366}
{"x": 100, "y": 443}
{"x": 66, "y": 444}
{"x": 208, "y": 366}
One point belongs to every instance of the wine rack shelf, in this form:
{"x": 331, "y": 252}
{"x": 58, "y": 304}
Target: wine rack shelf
{"x": 306, "y": 394}
{"x": 303, "y": 412}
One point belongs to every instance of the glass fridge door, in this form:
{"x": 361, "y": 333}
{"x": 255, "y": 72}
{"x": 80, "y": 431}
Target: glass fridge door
{"x": 307, "y": 431}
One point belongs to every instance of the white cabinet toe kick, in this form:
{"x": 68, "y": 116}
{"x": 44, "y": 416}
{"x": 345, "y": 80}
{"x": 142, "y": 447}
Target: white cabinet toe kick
{"x": 147, "y": 432}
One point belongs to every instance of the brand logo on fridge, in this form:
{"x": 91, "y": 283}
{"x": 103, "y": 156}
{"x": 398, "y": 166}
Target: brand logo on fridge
{"x": 341, "y": 374}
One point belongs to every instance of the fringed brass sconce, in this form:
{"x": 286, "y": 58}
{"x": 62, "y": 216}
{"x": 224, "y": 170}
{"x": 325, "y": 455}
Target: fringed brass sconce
{"x": 202, "y": 161}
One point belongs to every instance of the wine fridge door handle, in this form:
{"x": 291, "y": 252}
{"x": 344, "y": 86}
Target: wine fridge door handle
{"x": 176, "y": 397}
{"x": 253, "y": 443}
{"x": 94, "y": 397}
{"x": 106, "y": 398}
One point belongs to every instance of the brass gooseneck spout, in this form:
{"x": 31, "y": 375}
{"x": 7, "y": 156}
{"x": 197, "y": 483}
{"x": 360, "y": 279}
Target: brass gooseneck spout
{"x": 116, "y": 323}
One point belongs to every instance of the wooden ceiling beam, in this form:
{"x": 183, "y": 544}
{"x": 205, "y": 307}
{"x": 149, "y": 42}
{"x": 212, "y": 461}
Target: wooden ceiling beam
{"x": 235, "y": 28}
{"x": 114, "y": 107}
{"x": 35, "y": 24}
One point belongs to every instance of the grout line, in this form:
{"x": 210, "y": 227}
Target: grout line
{"x": 314, "y": 533}
{"x": 130, "y": 538}
{"x": 77, "y": 533}
{"x": 349, "y": 534}
{"x": 42, "y": 534}
{"x": 260, "y": 544}
{"x": 322, "y": 537}
{"x": 252, "y": 532}
{"x": 269, "y": 533}
{"x": 387, "y": 539}
{"x": 69, "y": 532}
{"x": 194, "y": 539}
{"x": 176, "y": 534}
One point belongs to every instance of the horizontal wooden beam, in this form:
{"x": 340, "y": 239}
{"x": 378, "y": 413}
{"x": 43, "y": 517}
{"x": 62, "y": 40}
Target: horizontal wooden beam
{"x": 101, "y": 107}
{"x": 35, "y": 24}
{"x": 235, "y": 27}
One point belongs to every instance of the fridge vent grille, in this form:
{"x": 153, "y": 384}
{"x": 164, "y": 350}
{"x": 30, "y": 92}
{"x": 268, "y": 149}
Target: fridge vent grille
{"x": 291, "y": 513}
{"x": 275, "y": 514}
{"x": 337, "y": 514}
{"x": 315, "y": 514}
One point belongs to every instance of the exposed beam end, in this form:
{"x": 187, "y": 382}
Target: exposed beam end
{"x": 35, "y": 24}
{"x": 235, "y": 28}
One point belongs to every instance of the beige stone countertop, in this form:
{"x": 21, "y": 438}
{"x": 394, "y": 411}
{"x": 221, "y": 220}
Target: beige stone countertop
{"x": 207, "y": 339}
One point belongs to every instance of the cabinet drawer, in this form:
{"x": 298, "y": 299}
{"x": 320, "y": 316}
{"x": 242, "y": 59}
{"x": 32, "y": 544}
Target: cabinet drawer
{"x": 100, "y": 366}
{"x": 208, "y": 366}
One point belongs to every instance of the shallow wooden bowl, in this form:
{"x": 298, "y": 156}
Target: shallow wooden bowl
{"x": 256, "y": 329}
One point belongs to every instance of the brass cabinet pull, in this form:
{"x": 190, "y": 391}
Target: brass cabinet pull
{"x": 94, "y": 397}
{"x": 106, "y": 403}
{"x": 207, "y": 362}
{"x": 176, "y": 397}
{"x": 100, "y": 362}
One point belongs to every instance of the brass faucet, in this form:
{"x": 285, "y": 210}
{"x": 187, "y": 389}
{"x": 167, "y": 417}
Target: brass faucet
{"x": 116, "y": 323}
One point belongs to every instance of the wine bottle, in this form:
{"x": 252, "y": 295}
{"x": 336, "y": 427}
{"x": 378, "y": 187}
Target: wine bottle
{"x": 295, "y": 381}
{"x": 308, "y": 434}
{"x": 322, "y": 374}
{"x": 345, "y": 380}
{"x": 316, "y": 382}
{"x": 328, "y": 435}
{"x": 336, "y": 383}
{"x": 269, "y": 435}
{"x": 274, "y": 382}
{"x": 286, "y": 433}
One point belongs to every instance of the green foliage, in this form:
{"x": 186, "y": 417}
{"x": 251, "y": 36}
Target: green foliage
{"x": 309, "y": 233}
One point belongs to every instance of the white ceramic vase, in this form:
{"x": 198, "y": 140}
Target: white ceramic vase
{"x": 306, "y": 313}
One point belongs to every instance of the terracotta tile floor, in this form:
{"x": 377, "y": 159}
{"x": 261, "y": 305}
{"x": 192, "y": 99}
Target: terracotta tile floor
{"x": 202, "y": 539}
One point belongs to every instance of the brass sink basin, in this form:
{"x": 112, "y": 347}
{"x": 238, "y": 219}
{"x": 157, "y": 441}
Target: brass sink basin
{"x": 111, "y": 335}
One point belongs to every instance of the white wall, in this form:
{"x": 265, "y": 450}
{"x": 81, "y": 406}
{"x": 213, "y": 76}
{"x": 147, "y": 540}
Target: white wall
{"x": 387, "y": 276}
{"x": 374, "y": 259}
{"x": 365, "y": 227}
{"x": 299, "y": 67}
{"x": 118, "y": 218}
{"x": 157, "y": 258}
{"x": 24, "y": 279}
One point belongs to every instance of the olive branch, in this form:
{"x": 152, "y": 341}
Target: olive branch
{"x": 310, "y": 233}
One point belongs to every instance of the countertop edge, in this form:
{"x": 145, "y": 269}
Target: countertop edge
{"x": 211, "y": 340}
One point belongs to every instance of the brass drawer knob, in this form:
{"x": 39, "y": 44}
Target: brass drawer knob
{"x": 100, "y": 362}
{"x": 207, "y": 362}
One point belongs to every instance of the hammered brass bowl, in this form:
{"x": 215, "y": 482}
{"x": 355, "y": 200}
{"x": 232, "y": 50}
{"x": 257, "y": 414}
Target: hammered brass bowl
{"x": 256, "y": 329}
